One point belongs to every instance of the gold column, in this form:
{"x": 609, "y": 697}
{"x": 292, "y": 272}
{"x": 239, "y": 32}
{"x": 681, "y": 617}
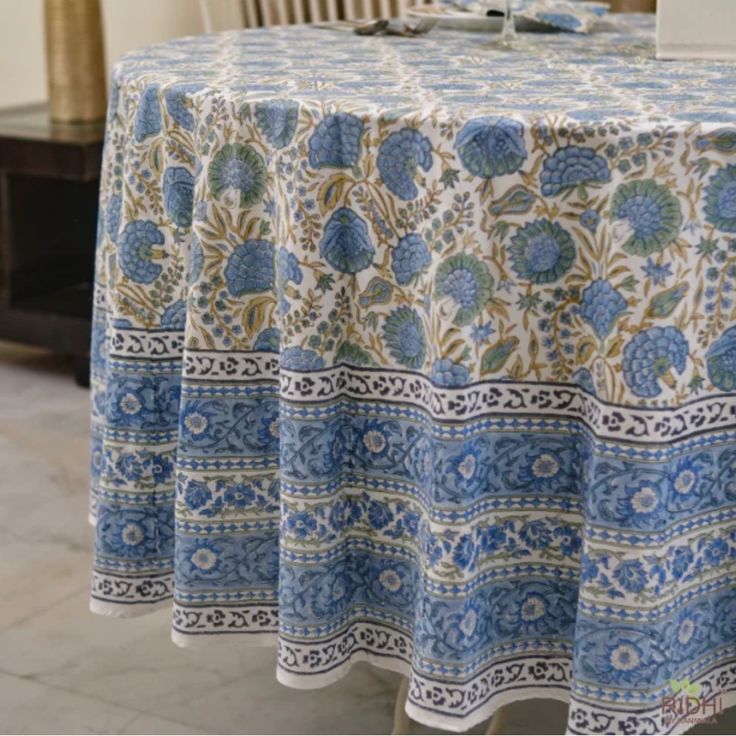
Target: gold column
{"x": 75, "y": 60}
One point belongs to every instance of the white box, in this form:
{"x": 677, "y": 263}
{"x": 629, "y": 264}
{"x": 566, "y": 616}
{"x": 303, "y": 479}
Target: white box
{"x": 696, "y": 29}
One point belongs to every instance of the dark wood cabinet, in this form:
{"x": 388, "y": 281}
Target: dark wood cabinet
{"x": 49, "y": 179}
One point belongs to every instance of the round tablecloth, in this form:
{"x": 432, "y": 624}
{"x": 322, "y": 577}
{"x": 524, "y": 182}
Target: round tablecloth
{"x": 413, "y": 351}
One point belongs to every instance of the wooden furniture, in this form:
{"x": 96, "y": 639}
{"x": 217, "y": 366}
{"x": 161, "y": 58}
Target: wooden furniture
{"x": 218, "y": 15}
{"x": 48, "y": 217}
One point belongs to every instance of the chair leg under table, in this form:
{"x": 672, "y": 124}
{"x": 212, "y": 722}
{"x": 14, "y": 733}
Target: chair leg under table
{"x": 402, "y": 722}
{"x": 497, "y": 722}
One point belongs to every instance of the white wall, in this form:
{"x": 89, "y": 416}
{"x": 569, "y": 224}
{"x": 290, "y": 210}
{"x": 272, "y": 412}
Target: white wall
{"x": 128, "y": 24}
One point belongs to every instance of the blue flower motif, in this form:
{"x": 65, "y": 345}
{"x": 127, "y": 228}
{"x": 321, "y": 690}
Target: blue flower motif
{"x": 465, "y": 552}
{"x": 572, "y": 165}
{"x": 296, "y": 358}
{"x": 491, "y": 146}
{"x": 174, "y": 316}
{"x": 623, "y": 662}
{"x": 685, "y": 477}
{"x": 268, "y": 340}
{"x": 176, "y": 98}
{"x": 277, "y": 120}
{"x": 336, "y": 141}
{"x": 470, "y": 467}
{"x": 448, "y": 374}
{"x": 590, "y": 220}
{"x": 541, "y": 252}
{"x": 658, "y": 274}
{"x": 721, "y": 361}
{"x": 239, "y": 495}
{"x": 136, "y": 251}
{"x": 650, "y": 356}
{"x": 720, "y": 199}
{"x": 179, "y": 195}
{"x": 197, "y": 495}
{"x": 130, "y": 466}
{"x": 640, "y": 505}
{"x": 631, "y": 576}
{"x": 289, "y": 269}
{"x": 346, "y": 244}
{"x": 481, "y": 332}
{"x": 716, "y": 552}
{"x": 466, "y": 280}
{"x": 652, "y": 212}
{"x": 681, "y": 560}
{"x": 374, "y": 439}
{"x": 148, "y": 115}
{"x": 196, "y": 260}
{"x": 405, "y": 338}
{"x": 241, "y": 168}
{"x": 161, "y": 468}
{"x": 301, "y": 523}
{"x": 399, "y": 156}
{"x": 113, "y": 215}
{"x": 250, "y": 268}
{"x": 379, "y": 515}
{"x": 409, "y": 257}
{"x": 584, "y": 378}
{"x": 601, "y": 306}
{"x": 535, "y": 534}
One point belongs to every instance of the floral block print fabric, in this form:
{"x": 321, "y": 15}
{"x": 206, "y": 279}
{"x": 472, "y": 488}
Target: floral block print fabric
{"x": 423, "y": 353}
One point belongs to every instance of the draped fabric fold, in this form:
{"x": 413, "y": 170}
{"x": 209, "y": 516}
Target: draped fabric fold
{"x": 422, "y": 353}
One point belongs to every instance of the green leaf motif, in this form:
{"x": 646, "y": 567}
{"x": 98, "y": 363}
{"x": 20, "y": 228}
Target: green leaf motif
{"x": 494, "y": 359}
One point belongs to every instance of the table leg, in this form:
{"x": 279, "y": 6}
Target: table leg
{"x": 497, "y": 722}
{"x": 402, "y": 722}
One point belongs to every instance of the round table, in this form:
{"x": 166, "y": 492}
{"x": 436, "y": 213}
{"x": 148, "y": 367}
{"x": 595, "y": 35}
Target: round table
{"x": 419, "y": 352}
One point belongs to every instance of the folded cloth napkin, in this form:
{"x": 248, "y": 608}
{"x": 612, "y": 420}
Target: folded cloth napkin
{"x": 564, "y": 15}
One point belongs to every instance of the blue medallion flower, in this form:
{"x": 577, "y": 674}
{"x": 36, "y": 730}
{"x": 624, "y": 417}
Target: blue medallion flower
{"x": 410, "y": 256}
{"x": 250, "y": 268}
{"x": 374, "y": 439}
{"x": 174, "y": 316}
{"x": 268, "y": 340}
{"x": 179, "y": 195}
{"x": 296, "y": 358}
{"x": 631, "y": 576}
{"x": 650, "y": 357}
{"x": 658, "y": 274}
{"x": 685, "y": 477}
{"x": 176, "y": 98}
{"x": 148, "y": 115}
{"x": 448, "y": 374}
{"x": 541, "y": 252}
{"x": 136, "y": 251}
{"x": 404, "y": 335}
{"x": 346, "y": 244}
{"x": 336, "y": 141}
{"x": 113, "y": 215}
{"x": 491, "y": 146}
{"x": 277, "y": 120}
{"x": 622, "y": 662}
{"x": 721, "y": 361}
{"x": 720, "y": 199}
{"x": 652, "y": 212}
{"x": 572, "y": 165}
{"x": 640, "y": 505}
{"x": 399, "y": 156}
{"x": 601, "y": 306}
{"x": 466, "y": 280}
{"x": 241, "y": 168}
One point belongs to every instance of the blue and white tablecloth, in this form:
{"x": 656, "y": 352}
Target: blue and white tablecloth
{"x": 414, "y": 351}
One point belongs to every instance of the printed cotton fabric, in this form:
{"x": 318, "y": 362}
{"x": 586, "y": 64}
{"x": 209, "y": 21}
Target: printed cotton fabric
{"x": 423, "y": 353}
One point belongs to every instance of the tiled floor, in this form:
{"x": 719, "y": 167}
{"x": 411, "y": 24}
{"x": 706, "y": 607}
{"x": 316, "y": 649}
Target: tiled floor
{"x": 63, "y": 670}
